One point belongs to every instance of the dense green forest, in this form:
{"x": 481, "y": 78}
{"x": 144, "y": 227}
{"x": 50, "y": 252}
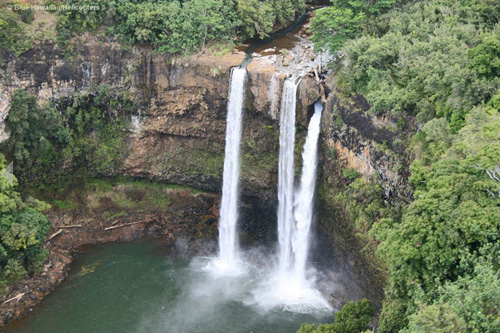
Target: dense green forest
{"x": 83, "y": 137}
{"x": 180, "y": 26}
{"x": 437, "y": 62}
{"x": 24, "y": 230}
{"x": 172, "y": 26}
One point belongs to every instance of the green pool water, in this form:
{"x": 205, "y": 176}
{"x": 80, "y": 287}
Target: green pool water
{"x": 141, "y": 287}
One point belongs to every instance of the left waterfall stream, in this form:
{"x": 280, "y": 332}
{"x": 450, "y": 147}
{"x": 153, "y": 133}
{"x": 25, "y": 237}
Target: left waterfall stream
{"x": 227, "y": 263}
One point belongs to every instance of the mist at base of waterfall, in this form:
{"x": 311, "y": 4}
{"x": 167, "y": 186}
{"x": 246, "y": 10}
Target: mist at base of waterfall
{"x": 141, "y": 287}
{"x": 290, "y": 294}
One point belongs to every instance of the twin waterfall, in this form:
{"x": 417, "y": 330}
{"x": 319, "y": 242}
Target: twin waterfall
{"x": 295, "y": 205}
{"x": 295, "y": 208}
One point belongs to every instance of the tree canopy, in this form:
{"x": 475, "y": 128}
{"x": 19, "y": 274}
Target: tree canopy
{"x": 436, "y": 62}
{"x": 23, "y": 229}
{"x": 180, "y": 26}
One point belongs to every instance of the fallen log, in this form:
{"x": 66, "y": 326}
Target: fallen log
{"x": 123, "y": 225}
{"x": 55, "y": 234}
{"x": 13, "y": 298}
{"x": 69, "y": 226}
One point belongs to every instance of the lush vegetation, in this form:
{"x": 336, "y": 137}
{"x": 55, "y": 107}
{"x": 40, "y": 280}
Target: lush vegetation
{"x": 454, "y": 219}
{"x": 179, "y": 26}
{"x": 80, "y": 137}
{"x": 344, "y": 20}
{"x": 12, "y": 29}
{"x": 23, "y": 229}
{"x": 364, "y": 203}
{"x": 51, "y": 144}
{"x": 353, "y": 318}
{"x": 436, "y": 62}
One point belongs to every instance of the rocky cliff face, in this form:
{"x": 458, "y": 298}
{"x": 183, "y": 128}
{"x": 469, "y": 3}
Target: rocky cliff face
{"x": 376, "y": 148}
{"x": 373, "y": 145}
{"x": 175, "y": 136}
{"x": 177, "y": 133}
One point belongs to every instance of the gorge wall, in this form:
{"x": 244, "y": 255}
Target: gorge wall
{"x": 177, "y": 133}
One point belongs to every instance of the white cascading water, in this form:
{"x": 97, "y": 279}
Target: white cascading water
{"x": 304, "y": 197}
{"x": 228, "y": 248}
{"x": 285, "y": 177}
{"x": 289, "y": 287}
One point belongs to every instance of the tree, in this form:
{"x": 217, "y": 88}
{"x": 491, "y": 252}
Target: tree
{"x": 9, "y": 199}
{"x": 485, "y": 57}
{"x": 454, "y": 215}
{"x": 84, "y": 135}
{"x": 12, "y": 32}
{"x": 181, "y": 26}
{"x": 422, "y": 59}
{"x": 23, "y": 229}
{"x": 436, "y": 318}
{"x": 257, "y": 18}
{"x": 469, "y": 304}
{"x": 334, "y": 25}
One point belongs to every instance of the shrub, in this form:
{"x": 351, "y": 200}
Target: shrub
{"x": 352, "y": 318}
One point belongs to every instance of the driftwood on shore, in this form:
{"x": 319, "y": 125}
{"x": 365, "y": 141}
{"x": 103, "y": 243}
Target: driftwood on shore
{"x": 60, "y": 230}
{"x": 55, "y": 234}
{"x": 123, "y": 225}
{"x": 17, "y": 297}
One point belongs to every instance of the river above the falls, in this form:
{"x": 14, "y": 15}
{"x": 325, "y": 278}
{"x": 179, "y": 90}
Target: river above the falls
{"x": 143, "y": 287}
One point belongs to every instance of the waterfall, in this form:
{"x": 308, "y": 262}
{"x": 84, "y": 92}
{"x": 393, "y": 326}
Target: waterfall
{"x": 228, "y": 249}
{"x": 288, "y": 286}
{"x": 286, "y": 224}
{"x": 295, "y": 208}
{"x": 304, "y": 197}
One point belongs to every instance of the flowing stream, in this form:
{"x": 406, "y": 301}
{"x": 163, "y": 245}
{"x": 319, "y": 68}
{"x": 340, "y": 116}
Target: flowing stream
{"x": 228, "y": 247}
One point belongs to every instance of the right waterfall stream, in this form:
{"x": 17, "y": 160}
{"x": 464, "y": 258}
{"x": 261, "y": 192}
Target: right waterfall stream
{"x": 304, "y": 196}
{"x": 291, "y": 286}
{"x": 295, "y": 207}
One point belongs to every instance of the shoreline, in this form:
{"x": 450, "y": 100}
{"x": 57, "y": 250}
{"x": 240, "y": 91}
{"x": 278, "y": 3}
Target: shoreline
{"x": 64, "y": 240}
